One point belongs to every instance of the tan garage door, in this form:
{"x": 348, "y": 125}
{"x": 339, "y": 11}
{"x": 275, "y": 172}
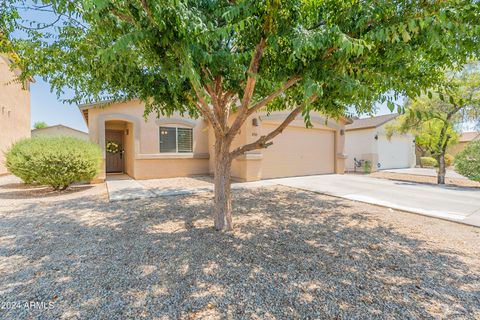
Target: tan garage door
{"x": 298, "y": 152}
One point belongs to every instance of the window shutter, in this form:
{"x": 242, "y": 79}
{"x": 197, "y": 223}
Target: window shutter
{"x": 168, "y": 139}
{"x": 185, "y": 141}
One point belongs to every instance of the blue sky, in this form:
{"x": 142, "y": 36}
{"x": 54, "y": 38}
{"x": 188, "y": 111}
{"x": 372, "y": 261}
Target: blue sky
{"x": 46, "y": 107}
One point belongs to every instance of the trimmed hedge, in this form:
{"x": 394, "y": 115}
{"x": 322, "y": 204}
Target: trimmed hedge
{"x": 467, "y": 162}
{"x": 428, "y": 162}
{"x": 54, "y": 161}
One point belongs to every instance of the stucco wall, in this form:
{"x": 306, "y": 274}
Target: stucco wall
{"x": 14, "y": 110}
{"x": 397, "y": 152}
{"x": 455, "y": 149}
{"x": 250, "y": 167}
{"x": 360, "y": 144}
{"x": 56, "y": 131}
{"x": 143, "y": 159}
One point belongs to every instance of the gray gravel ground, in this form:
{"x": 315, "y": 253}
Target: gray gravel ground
{"x": 293, "y": 254}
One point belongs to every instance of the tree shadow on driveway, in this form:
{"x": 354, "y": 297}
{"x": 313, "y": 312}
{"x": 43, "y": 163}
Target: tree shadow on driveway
{"x": 293, "y": 254}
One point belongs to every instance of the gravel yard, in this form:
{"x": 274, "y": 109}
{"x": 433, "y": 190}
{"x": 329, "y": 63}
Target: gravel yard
{"x": 293, "y": 254}
{"x": 181, "y": 182}
{"x": 424, "y": 179}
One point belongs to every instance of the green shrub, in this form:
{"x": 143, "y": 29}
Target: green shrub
{"x": 54, "y": 161}
{"x": 367, "y": 167}
{"x": 428, "y": 162}
{"x": 449, "y": 159}
{"x": 467, "y": 162}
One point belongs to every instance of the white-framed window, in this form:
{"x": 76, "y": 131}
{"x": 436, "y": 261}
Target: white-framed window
{"x": 176, "y": 140}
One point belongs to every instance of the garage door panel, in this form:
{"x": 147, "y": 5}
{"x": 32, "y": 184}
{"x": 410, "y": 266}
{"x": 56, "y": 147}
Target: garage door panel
{"x": 298, "y": 151}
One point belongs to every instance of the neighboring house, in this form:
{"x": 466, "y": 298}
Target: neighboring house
{"x": 464, "y": 139}
{"x": 14, "y": 109}
{"x": 179, "y": 146}
{"x": 366, "y": 140}
{"x": 60, "y": 130}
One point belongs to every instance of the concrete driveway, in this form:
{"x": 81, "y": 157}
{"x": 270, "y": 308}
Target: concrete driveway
{"x": 425, "y": 172}
{"x": 451, "y": 203}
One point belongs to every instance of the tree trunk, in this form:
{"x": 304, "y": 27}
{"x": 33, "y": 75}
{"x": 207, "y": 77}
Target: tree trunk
{"x": 222, "y": 186}
{"x": 441, "y": 169}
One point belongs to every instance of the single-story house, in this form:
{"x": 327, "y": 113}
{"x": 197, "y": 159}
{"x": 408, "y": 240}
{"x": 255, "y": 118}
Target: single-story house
{"x": 464, "y": 139}
{"x": 181, "y": 146}
{"x": 59, "y": 130}
{"x": 366, "y": 140}
{"x": 14, "y": 108}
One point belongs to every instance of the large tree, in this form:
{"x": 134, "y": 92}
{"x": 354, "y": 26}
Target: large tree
{"x": 436, "y": 117}
{"x": 225, "y": 60}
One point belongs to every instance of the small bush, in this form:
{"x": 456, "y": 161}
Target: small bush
{"x": 449, "y": 159}
{"x": 367, "y": 167}
{"x": 54, "y": 161}
{"x": 428, "y": 162}
{"x": 467, "y": 162}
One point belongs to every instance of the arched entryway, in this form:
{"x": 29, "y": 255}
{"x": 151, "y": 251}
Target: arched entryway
{"x": 125, "y": 129}
{"x": 119, "y": 147}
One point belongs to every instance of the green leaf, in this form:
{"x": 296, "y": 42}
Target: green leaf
{"x": 391, "y": 106}
{"x": 405, "y": 36}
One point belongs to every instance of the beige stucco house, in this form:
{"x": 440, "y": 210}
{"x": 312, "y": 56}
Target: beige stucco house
{"x": 464, "y": 139}
{"x": 366, "y": 140}
{"x": 59, "y": 130}
{"x": 180, "y": 146}
{"x": 14, "y": 109}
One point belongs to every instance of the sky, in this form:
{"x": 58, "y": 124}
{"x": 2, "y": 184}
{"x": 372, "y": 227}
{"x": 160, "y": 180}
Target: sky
{"x": 46, "y": 107}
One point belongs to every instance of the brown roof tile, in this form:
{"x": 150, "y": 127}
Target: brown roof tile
{"x": 469, "y": 136}
{"x": 372, "y": 122}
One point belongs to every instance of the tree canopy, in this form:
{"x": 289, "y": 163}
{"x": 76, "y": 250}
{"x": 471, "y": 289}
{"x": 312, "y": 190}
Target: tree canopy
{"x": 347, "y": 53}
{"x": 40, "y": 125}
{"x": 426, "y": 116}
{"x": 436, "y": 117}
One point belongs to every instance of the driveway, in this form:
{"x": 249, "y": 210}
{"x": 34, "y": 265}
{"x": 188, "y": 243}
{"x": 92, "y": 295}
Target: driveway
{"x": 451, "y": 203}
{"x": 456, "y": 204}
{"x": 425, "y": 172}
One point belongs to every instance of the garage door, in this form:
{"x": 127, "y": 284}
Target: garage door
{"x": 395, "y": 153}
{"x": 298, "y": 152}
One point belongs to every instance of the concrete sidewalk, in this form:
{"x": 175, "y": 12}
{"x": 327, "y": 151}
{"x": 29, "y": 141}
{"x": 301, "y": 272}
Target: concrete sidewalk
{"x": 451, "y": 203}
{"x": 122, "y": 187}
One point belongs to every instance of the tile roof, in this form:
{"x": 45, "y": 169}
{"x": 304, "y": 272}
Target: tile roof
{"x": 372, "y": 122}
{"x": 469, "y": 136}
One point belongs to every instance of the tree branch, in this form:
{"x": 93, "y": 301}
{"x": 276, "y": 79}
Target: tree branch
{"x": 249, "y": 89}
{"x": 146, "y": 7}
{"x": 242, "y": 116}
{"x": 264, "y": 141}
{"x": 205, "y": 110}
{"x": 123, "y": 17}
{"x": 252, "y": 72}
{"x": 272, "y": 96}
